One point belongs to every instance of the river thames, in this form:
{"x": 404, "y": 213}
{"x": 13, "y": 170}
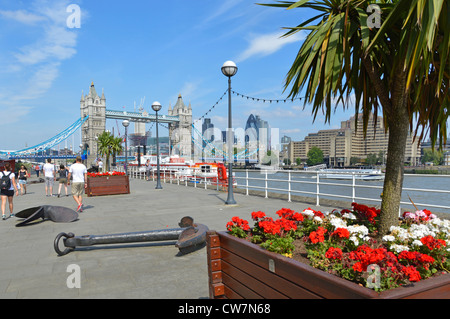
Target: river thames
{"x": 420, "y": 189}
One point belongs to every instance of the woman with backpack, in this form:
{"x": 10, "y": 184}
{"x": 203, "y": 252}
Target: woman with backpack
{"x": 7, "y": 187}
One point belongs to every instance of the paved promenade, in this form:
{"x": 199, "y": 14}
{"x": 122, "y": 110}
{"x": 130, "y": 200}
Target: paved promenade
{"x": 30, "y": 268}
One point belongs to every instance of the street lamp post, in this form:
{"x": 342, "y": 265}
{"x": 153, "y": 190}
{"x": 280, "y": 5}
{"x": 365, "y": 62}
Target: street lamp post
{"x": 156, "y": 106}
{"x": 125, "y": 124}
{"x": 229, "y": 69}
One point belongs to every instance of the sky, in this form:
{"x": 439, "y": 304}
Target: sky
{"x": 141, "y": 51}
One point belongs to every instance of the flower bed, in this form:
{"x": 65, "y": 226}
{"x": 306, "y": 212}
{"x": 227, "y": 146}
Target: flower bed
{"x": 109, "y": 183}
{"x": 343, "y": 243}
{"x": 114, "y": 173}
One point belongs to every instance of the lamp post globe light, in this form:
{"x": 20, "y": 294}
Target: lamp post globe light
{"x": 156, "y": 106}
{"x": 125, "y": 124}
{"x": 229, "y": 69}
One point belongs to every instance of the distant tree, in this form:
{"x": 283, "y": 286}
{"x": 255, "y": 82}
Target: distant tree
{"x": 435, "y": 157}
{"x": 315, "y": 156}
{"x": 354, "y": 160}
{"x": 371, "y": 159}
{"x": 298, "y": 160}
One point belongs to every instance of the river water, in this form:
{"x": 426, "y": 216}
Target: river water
{"x": 364, "y": 189}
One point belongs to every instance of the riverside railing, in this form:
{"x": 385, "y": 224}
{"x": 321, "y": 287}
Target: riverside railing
{"x": 313, "y": 184}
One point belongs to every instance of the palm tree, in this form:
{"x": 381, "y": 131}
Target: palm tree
{"x": 105, "y": 141}
{"x": 116, "y": 146}
{"x": 401, "y": 68}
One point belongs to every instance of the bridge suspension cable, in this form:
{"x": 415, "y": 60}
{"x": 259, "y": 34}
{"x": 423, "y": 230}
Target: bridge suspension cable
{"x": 55, "y": 140}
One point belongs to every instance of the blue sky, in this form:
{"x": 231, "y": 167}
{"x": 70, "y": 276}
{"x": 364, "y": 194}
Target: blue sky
{"x": 145, "y": 48}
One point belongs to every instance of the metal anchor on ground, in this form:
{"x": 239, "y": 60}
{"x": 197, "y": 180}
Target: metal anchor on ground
{"x": 189, "y": 236}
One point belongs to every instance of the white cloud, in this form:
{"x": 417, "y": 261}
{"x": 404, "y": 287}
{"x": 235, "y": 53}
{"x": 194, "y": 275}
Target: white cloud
{"x": 22, "y": 16}
{"x": 35, "y": 65}
{"x": 267, "y": 44}
{"x": 223, "y": 9}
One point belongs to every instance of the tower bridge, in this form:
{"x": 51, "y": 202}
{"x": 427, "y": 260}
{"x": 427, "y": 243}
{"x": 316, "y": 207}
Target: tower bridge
{"x": 92, "y": 123}
{"x": 93, "y": 107}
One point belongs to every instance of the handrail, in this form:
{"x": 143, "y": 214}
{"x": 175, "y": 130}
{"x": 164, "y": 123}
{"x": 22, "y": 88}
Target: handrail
{"x": 287, "y": 185}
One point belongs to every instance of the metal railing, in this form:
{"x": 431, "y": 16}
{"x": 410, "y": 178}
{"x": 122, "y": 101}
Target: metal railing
{"x": 314, "y": 186}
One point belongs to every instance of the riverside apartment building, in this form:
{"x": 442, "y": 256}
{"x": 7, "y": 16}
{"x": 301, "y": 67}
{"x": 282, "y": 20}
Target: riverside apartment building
{"x": 340, "y": 145}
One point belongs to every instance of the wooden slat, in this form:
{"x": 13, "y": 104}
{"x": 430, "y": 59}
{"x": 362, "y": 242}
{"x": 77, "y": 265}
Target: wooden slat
{"x": 235, "y": 285}
{"x": 251, "y": 287}
{"x": 216, "y": 287}
{"x": 268, "y": 284}
{"x": 323, "y": 284}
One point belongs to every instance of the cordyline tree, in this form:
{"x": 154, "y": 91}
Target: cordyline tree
{"x": 399, "y": 68}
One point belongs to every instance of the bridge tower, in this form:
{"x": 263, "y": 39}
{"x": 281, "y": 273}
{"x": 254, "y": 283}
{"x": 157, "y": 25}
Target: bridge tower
{"x": 180, "y": 134}
{"x": 93, "y": 106}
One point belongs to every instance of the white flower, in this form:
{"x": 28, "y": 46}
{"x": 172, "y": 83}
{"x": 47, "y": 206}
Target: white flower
{"x": 355, "y": 240}
{"x": 337, "y": 222}
{"x": 416, "y": 243}
{"x": 308, "y": 213}
{"x": 388, "y": 238}
{"x": 360, "y": 231}
{"x": 349, "y": 216}
{"x": 318, "y": 219}
{"x": 399, "y": 248}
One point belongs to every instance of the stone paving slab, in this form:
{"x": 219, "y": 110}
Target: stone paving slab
{"x": 30, "y": 268}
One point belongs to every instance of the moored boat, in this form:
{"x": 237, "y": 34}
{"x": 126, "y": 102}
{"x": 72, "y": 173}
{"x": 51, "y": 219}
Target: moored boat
{"x": 349, "y": 174}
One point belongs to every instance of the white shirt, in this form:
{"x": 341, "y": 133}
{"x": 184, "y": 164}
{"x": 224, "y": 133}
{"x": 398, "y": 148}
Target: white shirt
{"x": 10, "y": 177}
{"x": 48, "y": 170}
{"x": 78, "y": 170}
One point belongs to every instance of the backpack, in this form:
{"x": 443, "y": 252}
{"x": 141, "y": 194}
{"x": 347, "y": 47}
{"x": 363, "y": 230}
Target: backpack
{"x": 5, "y": 181}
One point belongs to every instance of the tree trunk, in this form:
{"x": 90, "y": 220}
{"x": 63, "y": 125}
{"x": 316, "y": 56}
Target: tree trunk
{"x": 398, "y": 121}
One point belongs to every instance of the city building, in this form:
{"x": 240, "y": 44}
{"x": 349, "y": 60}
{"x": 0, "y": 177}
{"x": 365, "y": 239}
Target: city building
{"x": 342, "y": 147}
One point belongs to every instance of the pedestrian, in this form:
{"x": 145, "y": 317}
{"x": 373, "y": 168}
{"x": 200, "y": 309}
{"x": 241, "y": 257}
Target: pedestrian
{"x": 148, "y": 168}
{"x": 100, "y": 165}
{"x": 37, "y": 168}
{"x": 8, "y": 185}
{"x": 49, "y": 174}
{"x": 23, "y": 175}
{"x": 63, "y": 172}
{"x": 79, "y": 174}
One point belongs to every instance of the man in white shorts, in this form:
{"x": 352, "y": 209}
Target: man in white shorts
{"x": 79, "y": 174}
{"x": 49, "y": 175}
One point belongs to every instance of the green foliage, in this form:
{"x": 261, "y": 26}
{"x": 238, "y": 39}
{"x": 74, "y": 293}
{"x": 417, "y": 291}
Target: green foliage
{"x": 315, "y": 156}
{"x": 435, "y": 157}
{"x": 280, "y": 245}
{"x": 109, "y": 145}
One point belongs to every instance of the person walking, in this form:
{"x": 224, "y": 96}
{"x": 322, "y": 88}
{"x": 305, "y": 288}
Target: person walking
{"x": 37, "y": 168}
{"x": 23, "y": 174}
{"x": 63, "y": 172}
{"x": 49, "y": 174}
{"x": 78, "y": 172}
{"x": 100, "y": 165}
{"x": 8, "y": 185}
{"x": 148, "y": 168}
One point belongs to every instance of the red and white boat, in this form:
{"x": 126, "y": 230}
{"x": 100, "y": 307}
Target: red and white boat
{"x": 178, "y": 168}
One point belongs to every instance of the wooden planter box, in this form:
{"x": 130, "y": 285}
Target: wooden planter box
{"x": 239, "y": 269}
{"x": 107, "y": 185}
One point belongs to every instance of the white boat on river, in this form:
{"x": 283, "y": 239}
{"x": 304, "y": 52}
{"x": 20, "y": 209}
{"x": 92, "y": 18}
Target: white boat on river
{"x": 359, "y": 174}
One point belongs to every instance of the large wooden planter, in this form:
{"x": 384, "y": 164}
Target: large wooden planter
{"x": 239, "y": 269}
{"x": 107, "y": 185}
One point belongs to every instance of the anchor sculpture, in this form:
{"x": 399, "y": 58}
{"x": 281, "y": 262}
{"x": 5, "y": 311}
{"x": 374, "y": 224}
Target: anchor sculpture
{"x": 190, "y": 237}
{"x": 56, "y": 214}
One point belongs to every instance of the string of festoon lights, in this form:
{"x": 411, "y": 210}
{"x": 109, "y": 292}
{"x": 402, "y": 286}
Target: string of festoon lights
{"x": 267, "y": 100}
{"x": 211, "y": 108}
